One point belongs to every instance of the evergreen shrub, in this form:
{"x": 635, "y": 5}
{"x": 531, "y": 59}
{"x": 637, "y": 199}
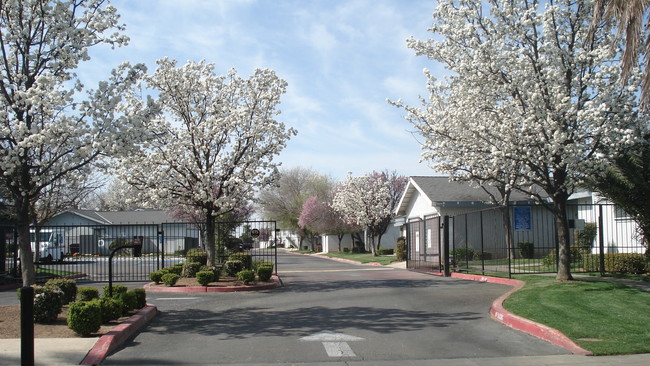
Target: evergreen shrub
{"x": 67, "y": 286}
{"x": 197, "y": 255}
{"x": 87, "y": 293}
{"x": 245, "y": 258}
{"x": 204, "y": 277}
{"x": 85, "y": 317}
{"x": 170, "y": 279}
{"x": 232, "y": 267}
{"x": 190, "y": 269}
{"x": 246, "y": 275}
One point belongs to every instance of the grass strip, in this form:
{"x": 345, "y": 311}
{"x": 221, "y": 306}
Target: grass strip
{"x": 363, "y": 257}
{"x": 603, "y": 317}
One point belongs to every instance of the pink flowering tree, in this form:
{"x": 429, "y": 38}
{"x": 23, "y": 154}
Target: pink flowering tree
{"x": 319, "y": 217}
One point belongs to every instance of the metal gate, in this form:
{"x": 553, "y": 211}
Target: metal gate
{"x": 424, "y": 244}
{"x": 82, "y": 252}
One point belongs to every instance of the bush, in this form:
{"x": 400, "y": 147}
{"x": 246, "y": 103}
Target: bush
{"x": 130, "y": 301}
{"x": 585, "y": 237}
{"x": 111, "y": 309}
{"x": 141, "y": 298}
{"x": 400, "y": 247}
{"x": 85, "y": 317}
{"x": 156, "y": 276}
{"x": 575, "y": 257}
{"x": 625, "y": 263}
{"x": 265, "y": 272}
{"x": 233, "y": 267}
{"x": 204, "y": 277}
{"x": 386, "y": 251}
{"x": 463, "y": 254}
{"x": 176, "y": 269}
{"x": 346, "y": 250}
{"x": 190, "y": 269}
{"x": 215, "y": 270}
{"x": 170, "y": 279}
{"x": 68, "y": 287}
{"x": 87, "y": 293}
{"x": 245, "y": 258}
{"x": 482, "y": 256}
{"x": 117, "y": 290}
{"x": 197, "y": 255}
{"x": 246, "y": 276}
{"x": 526, "y": 249}
{"x": 48, "y": 303}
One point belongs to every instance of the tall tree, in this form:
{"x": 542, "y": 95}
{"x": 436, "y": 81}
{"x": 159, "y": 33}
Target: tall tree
{"x": 627, "y": 183}
{"x": 631, "y": 28}
{"x": 396, "y": 185}
{"x": 283, "y": 200}
{"x": 214, "y": 142}
{"x": 524, "y": 72}
{"x": 366, "y": 202}
{"x": 319, "y": 216}
{"x": 49, "y": 131}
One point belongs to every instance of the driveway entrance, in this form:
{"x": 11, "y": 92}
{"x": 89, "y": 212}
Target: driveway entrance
{"x": 331, "y": 311}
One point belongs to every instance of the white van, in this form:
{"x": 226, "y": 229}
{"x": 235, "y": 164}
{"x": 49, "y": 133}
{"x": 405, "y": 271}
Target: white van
{"x": 51, "y": 242}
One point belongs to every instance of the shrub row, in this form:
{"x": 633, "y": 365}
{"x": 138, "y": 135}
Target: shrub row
{"x": 622, "y": 263}
{"x": 236, "y": 263}
{"x": 88, "y": 312}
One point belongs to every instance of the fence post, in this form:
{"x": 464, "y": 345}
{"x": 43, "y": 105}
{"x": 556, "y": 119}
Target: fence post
{"x": 445, "y": 245}
{"x": 27, "y": 326}
{"x": 601, "y": 241}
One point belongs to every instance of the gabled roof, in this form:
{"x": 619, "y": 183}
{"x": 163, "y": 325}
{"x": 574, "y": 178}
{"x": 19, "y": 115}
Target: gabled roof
{"x": 125, "y": 217}
{"x": 443, "y": 193}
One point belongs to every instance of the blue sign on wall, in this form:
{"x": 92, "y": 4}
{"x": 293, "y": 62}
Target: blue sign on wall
{"x": 522, "y": 218}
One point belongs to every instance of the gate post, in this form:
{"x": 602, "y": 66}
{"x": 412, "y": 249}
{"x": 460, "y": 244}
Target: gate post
{"x": 445, "y": 245}
{"x": 601, "y": 241}
{"x": 27, "y": 326}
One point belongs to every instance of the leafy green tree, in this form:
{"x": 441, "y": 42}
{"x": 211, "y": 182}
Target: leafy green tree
{"x": 627, "y": 184}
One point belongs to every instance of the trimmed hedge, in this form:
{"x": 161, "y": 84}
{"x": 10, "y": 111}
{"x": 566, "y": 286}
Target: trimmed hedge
{"x": 232, "y": 267}
{"x": 386, "y": 251}
{"x": 156, "y": 276}
{"x": 67, "y": 286}
{"x": 48, "y": 303}
{"x": 197, "y": 255}
{"x": 170, "y": 279}
{"x": 204, "y": 277}
{"x": 246, "y": 275}
{"x": 117, "y": 290}
{"x": 215, "y": 270}
{"x": 400, "y": 249}
{"x": 526, "y": 249}
{"x": 111, "y": 309}
{"x": 85, "y": 317}
{"x": 141, "y": 298}
{"x": 87, "y": 293}
{"x": 190, "y": 269}
{"x": 245, "y": 258}
{"x": 265, "y": 272}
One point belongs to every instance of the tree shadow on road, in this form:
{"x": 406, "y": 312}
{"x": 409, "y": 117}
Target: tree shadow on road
{"x": 249, "y": 322}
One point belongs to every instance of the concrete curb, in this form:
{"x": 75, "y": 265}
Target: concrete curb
{"x": 500, "y": 314}
{"x": 275, "y": 284}
{"x": 118, "y": 335}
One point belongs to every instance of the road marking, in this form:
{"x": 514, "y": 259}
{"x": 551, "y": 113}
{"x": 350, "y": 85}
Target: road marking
{"x": 338, "y": 349}
{"x": 335, "y": 343}
{"x": 176, "y": 298}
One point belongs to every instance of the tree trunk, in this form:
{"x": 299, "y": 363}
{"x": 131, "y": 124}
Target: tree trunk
{"x": 210, "y": 242}
{"x": 340, "y": 237}
{"x": 563, "y": 238}
{"x": 26, "y": 257}
{"x": 507, "y": 228}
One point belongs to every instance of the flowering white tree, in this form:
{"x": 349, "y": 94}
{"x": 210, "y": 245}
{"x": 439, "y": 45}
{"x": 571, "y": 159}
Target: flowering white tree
{"x": 213, "y": 143}
{"x": 365, "y": 202}
{"x": 48, "y": 132}
{"x": 526, "y": 95}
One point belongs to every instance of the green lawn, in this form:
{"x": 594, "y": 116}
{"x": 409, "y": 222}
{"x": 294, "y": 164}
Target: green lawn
{"x": 603, "y": 317}
{"x": 363, "y": 257}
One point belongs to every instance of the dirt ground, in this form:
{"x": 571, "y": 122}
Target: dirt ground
{"x": 10, "y": 325}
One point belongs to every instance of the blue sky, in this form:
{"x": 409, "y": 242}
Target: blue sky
{"x": 341, "y": 59}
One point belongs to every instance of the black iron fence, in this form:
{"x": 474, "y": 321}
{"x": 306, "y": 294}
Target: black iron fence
{"x": 82, "y": 251}
{"x": 477, "y": 241}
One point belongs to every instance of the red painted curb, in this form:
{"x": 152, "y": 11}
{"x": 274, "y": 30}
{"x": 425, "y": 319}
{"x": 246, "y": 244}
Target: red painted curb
{"x": 500, "y": 314}
{"x": 118, "y": 335}
{"x": 275, "y": 284}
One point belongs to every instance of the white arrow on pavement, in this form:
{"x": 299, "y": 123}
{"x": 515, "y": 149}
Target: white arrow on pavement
{"x": 334, "y": 343}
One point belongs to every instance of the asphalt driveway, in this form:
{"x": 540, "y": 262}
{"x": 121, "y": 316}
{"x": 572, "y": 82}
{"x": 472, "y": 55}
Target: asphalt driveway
{"x": 331, "y": 311}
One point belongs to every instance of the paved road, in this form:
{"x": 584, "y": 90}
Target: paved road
{"x": 330, "y": 311}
